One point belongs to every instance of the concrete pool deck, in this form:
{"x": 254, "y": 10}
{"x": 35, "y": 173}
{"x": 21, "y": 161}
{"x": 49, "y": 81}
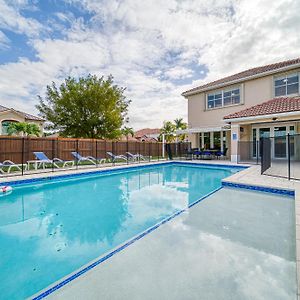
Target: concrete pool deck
{"x": 120, "y": 276}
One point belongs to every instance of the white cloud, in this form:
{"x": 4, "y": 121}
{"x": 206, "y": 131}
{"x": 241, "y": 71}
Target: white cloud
{"x": 12, "y": 19}
{"x": 147, "y": 45}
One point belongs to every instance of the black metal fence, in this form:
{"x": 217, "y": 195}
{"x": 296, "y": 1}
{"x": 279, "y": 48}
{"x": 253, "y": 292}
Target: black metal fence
{"x": 18, "y": 155}
{"x": 280, "y": 156}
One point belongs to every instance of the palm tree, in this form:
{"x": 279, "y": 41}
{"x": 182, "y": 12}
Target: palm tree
{"x": 127, "y": 131}
{"x": 168, "y": 130}
{"x": 180, "y": 125}
{"x": 23, "y": 128}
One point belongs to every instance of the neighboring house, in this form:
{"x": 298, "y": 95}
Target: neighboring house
{"x": 259, "y": 102}
{"x": 10, "y": 115}
{"x": 147, "y": 134}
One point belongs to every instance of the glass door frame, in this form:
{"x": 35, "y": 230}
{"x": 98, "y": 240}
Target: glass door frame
{"x": 287, "y": 125}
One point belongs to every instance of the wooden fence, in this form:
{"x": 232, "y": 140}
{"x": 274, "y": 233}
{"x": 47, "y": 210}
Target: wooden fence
{"x": 18, "y": 149}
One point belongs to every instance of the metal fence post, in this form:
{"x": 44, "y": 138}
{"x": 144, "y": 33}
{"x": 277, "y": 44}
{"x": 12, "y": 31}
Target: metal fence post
{"x": 76, "y": 155}
{"x": 149, "y": 151}
{"x": 96, "y": 153}
{"x": 257, "y": 155}
{"x": 23, "y": 154}
{"x": 127, "y": 150}
{"x": 53, "y": 154}
{"x": 139, "y": 143}
{"x": 105, "y": 154}
{"x": 289, "y": 156}
{"x": 113, "y": 151}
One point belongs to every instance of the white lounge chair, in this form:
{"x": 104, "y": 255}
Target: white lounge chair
{"x": 43, "y": 159}
{"x": 11, "y": 165}
{"x": 90, "y": 159}
{"x": 114, "y": 157}
{"x": 135, "y": 157}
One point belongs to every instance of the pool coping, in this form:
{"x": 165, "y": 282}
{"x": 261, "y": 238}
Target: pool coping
{"x": 225, "y": 183}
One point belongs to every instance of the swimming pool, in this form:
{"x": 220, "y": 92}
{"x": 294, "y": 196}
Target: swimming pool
{"x": 50, "y": 228}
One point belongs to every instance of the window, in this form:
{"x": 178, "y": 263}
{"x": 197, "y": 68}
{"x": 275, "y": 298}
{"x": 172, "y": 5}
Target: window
{"x": 232, "y": 97}
{"x": 217, "y": 140}
{"x": 214, "y": 100}
{"x": 206, "y": 140}
{"x": 223, "y": 98}
{"x": 287, "y": 85}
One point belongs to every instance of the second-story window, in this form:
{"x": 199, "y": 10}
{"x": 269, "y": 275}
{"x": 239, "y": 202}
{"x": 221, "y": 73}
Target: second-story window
{"x": 287, "y": 85}
{"x": 231, "y": 97}
{"x": 223, "y": 98}
{"x": 214, "y": 100}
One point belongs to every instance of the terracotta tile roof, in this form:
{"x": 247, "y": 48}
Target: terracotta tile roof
{"x": 273, "y": 106}
{"x": 246, "y": 74}
{"x": 130, "y": 138}
{"x": 25, "y": 115}
{"x": 145, "y": 138}
{"x": 146, "y": 131}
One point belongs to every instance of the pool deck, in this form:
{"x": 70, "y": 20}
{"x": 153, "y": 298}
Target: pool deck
{"x": 137, "y": 271}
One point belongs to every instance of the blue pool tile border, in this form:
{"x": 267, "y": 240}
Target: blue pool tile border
{"x": 259, "y": 188}
{"x": 113, "y": 170}
{"x": 119, "y": 249}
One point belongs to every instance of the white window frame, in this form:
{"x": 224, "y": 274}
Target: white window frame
{"x": 285, "y": 76}
{"x": 240, "y": 88}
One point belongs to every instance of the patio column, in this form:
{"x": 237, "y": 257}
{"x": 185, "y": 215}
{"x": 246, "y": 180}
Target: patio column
{"x": 221, "y": 140}
{"x": 235, "y": 137}
{"x": 211, "y": 140}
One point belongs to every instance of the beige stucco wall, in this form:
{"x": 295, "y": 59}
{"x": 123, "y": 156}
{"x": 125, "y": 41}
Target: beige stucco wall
{"x": 252, "y": 92}
{"x": 11, "y": 116}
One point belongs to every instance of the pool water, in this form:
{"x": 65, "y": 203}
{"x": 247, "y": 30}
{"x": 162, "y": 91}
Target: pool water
{"x": 50, "y": 229}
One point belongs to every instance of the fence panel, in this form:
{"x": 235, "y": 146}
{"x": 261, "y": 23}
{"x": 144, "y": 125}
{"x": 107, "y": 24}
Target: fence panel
{"x": 281, "y": 156}
{"x": 21, "y": 150}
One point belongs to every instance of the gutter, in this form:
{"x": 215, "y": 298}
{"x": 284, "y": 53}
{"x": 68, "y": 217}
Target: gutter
{"x": 199, "y": 90}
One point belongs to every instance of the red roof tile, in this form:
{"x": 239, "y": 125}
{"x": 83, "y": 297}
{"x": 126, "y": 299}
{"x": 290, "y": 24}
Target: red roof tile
{"x": 146, "y": 131}
{"x": 273, "y": 106}
{"x": 246, "y": 74}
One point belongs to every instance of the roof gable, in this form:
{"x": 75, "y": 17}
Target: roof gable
{"x": 23, "y": 114}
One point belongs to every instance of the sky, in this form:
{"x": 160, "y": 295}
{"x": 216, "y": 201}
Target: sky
{"x": 156, "y": 49}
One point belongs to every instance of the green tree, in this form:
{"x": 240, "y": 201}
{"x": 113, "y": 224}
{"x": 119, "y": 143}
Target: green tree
{"x": 23, "y": 128}
{"x": 88, "y": 107}
{"x": 180, "y": 125}
{"x": 127, "y": 131}
{"x": 168, "y": 130}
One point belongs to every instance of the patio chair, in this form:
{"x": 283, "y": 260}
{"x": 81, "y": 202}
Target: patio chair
{"x": 135, "y": 157}
{"x": 207, "y": 154}
{"x": 90, "y": 159}
{"x": 220, "y": 154}
{"x": 114, "y": 157}
{"x": 11, "y": 165}
{"x": 43, "y": 159}
{"x": 197, "y": 153}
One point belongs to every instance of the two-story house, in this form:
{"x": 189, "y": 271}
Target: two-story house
{"x": 259, "y": 102}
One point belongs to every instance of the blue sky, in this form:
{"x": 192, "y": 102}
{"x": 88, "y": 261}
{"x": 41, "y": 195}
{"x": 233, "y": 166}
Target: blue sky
{"x": 157, "y": 49}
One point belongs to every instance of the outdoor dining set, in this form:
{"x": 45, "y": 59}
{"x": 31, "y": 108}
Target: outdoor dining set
{"x": 196, "y": 153}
